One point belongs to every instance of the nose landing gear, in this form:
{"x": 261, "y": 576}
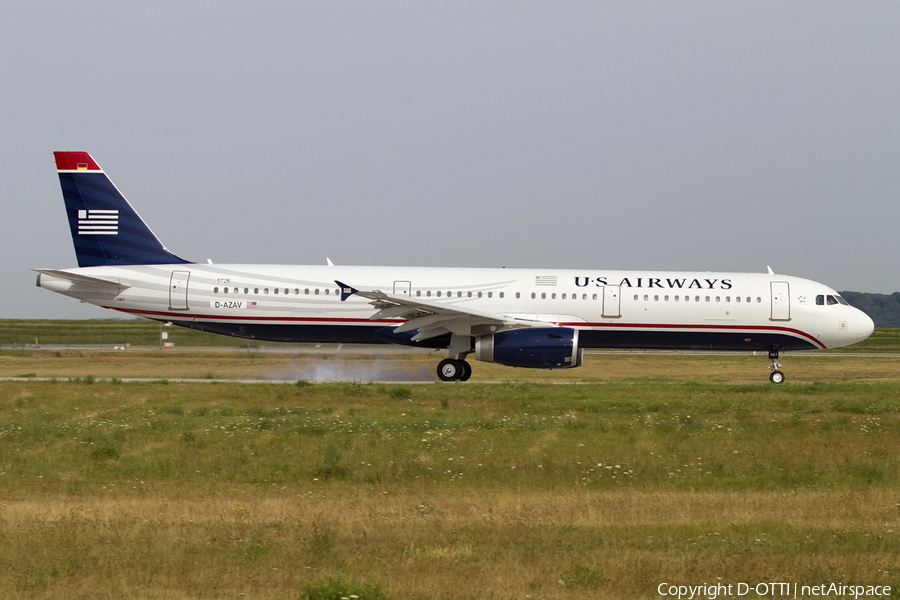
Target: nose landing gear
{"x": 775, "y": 376}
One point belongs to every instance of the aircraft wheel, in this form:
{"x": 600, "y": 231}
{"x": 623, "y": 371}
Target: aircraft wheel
{"x": 466, "y": 370}
{"x": 449, "y": 369}
{"x": 776, "y": 377}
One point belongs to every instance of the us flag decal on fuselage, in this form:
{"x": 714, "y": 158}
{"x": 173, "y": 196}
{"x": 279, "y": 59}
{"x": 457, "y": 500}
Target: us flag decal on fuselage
{"x": 98, "y": 222}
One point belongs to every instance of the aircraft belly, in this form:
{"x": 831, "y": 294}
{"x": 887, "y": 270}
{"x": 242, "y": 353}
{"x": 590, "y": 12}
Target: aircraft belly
{"x": 692, "y": 339}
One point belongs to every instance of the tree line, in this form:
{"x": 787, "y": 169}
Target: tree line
{"x": 883, "y": 308}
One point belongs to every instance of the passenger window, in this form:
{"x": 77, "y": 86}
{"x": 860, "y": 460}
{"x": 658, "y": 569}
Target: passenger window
{"x": 255, "y": 290}
{"x": 469, "y": 294}
{"x": 518, "y": 295}
{"x": 479, "y": 294}
{"x": 501, "y": 294}
{"x": 439, "y": 293}
{"x": 553, "y": 296}
{"x": 296, "y": 291}
{"x": 275, "y": 290}
{"x": 327, "y": 291}
{"x": 676, "y": 298}
{"x": 216, "y": 290}
{"x": 533, "y": 296}
{"x": 594, "y": 297}
{"x": 224, "y": 290}
{"x": 666, "y": 298}
{"x": 543, "y": 295}
{"x": 316, "y": 291}
{"x": 306, "y": 291}
{"x": 656, "y": 297}
{"x": 490, "y": 294}
{"x": 428, "y": 293}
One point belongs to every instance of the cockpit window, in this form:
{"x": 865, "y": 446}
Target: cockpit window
{"x": 830, "y": 300}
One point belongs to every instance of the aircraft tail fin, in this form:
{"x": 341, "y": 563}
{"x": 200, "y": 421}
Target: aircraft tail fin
{"x": 106, "y": 230}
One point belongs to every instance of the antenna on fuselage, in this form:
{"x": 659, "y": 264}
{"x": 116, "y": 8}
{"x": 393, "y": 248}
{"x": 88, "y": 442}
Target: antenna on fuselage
{"x": 771, "y": 272}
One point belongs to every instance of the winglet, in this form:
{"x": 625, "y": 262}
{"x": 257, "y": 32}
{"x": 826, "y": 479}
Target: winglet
{"x": 346, "y": 290}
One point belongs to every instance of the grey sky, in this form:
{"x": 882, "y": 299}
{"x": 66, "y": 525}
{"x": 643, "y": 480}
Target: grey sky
{"x": 595, "y": 135}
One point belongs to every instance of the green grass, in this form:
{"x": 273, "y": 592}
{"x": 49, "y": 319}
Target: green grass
{"x": 444, "y": 491}
{"x": 605, "y": 437}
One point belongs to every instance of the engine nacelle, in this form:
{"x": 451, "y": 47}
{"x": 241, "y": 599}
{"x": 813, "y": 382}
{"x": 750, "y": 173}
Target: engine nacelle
{"x": 545, "y": 348}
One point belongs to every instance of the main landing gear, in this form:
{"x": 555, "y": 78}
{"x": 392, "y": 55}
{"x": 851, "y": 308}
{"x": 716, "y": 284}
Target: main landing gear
{"x": 452, "y": 369}
{"x": 455, "y": 368}
{"x": 775, "y": 376}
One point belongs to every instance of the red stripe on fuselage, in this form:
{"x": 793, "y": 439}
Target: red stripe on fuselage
{"x": 181, "y": 316}
{"x": 343, "y": 320}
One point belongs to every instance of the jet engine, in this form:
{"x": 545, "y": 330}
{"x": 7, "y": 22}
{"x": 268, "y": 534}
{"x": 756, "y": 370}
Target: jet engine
{"x": 544, "y": 348}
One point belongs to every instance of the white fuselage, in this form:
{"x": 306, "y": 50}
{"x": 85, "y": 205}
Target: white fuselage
{"x": 611, "y": 309}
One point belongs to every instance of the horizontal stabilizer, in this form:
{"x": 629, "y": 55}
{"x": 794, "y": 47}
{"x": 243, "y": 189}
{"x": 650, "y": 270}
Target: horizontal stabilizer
{"x": 88, "y": 281}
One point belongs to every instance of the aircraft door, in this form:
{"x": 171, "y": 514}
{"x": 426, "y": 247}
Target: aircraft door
{"x": 781, "y": 301}
{"x": 611, "y": 302}
{"x": 402, "y": 288}
{"x": 178, "y": 290}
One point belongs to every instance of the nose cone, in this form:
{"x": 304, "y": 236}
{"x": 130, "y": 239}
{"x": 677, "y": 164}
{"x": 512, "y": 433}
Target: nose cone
{"x": 864, "y": 326}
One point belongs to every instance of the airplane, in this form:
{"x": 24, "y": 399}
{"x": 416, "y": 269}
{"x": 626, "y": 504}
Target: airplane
{"x": 531, "y": 318}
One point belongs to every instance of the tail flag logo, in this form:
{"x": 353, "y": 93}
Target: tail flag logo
{"x": 98, "y": 222}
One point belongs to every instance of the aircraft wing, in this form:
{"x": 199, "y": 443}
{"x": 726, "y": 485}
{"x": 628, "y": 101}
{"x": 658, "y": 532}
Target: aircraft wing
{"x": 106, "y": 284}
{"x": 431, "y": 318}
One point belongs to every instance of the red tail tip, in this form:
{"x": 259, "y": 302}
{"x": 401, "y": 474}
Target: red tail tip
{"x": 75, "y": 161}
